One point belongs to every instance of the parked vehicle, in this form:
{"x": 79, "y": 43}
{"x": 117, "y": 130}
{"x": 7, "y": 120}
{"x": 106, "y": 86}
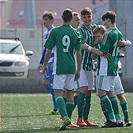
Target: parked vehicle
{"x": 14, "y": 60}
{"x": 2, "y": 1}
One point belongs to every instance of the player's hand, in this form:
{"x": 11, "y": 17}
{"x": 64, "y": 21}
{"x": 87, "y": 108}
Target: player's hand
{"x": 93, "y": 56}
{"x": 44, "y": 69}
{"x": 121, "y": 43}
{"x": 40, "y": 67}
{"x": 77, "y": 75}
{"x": 85, "y": 46}
{"x": 107, "y": 55}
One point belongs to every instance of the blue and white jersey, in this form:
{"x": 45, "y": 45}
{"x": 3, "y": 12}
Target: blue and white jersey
{"x": 46, "y": 35}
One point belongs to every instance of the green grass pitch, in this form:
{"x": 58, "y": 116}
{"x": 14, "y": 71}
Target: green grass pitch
{"x": 27, "y": 113}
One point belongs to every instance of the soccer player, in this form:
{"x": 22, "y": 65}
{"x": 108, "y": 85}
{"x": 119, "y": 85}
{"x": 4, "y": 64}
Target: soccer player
{"x": 75, "y": 24}
{"x": 86, "y": 80}
{"x": 75, "y": 20}
{"x": 118, "y": 88}
{"x": 66, "y": 41}
{"x": 108, "y": 68}
{"x": 48, "y": 77}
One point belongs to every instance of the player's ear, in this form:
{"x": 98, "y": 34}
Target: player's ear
{"x": 62, "y": 17}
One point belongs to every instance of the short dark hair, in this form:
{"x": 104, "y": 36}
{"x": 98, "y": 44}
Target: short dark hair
{"x": 109, "y": 15}
{"x": 67, "y": 15}
{"x": 49, "y": 15}
{"x": 86, "y": 11}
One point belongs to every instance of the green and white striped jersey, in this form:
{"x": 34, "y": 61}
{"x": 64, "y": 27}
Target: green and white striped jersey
{"x": 98, "y": 45}
{"x": 87, "y": 37}
{"x": 65, "y": 40}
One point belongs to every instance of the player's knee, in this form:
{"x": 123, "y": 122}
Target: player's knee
{"x": 121, "y": 97}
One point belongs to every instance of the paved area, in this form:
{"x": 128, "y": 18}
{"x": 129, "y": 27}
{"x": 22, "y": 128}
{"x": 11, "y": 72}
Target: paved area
{"x": 33, "y": 84}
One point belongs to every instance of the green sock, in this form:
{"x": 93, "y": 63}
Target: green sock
{"x": 69, "y": 107}
{"x": 115, "y": 108}
{"x": 108, "y": 106}
{"x": 75, "y": 100}
{"x": 124, "y": 106}
{"x": 80, "y": 103}
{"x": 87, "y": 107}
{"x": 105, "y": 111}
{"x": 61, "y": 105}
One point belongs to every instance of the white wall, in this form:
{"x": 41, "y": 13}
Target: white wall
{"x": 124, "y": 11}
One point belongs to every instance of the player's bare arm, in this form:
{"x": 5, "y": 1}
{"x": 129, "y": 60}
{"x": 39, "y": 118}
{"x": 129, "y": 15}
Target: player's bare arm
{"x": 87, "y": 47}
{"x": 46, "y": 59}
{"x": 79, "y": 61}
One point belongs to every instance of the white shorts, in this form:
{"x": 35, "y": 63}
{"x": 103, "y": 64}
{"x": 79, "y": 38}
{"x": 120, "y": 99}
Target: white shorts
{"x": 86, "y": 79}
{"x": 106, "y": 83}
{"x": 64, "y": 81}
{"x": 75, "y": 86}
{"x": 118, "y": 88}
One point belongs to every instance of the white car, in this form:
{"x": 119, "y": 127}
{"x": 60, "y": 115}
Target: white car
{"x": 14, "y": 61}
{"x": 2, "y": 1}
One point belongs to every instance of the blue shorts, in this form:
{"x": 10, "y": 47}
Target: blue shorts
{"x": 48, "y": 75}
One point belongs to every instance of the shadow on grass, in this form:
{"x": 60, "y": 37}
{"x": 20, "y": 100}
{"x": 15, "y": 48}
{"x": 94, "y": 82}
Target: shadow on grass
{"x": 42, "y": 130}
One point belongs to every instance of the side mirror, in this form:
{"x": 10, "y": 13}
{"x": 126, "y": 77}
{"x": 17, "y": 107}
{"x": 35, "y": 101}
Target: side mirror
{"x": 29, "y": 53}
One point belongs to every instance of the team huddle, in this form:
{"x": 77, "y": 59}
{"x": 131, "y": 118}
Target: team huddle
{"x": 67, "y": 64}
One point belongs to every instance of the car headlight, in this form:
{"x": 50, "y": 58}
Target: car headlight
{"x": 19, "y": 63}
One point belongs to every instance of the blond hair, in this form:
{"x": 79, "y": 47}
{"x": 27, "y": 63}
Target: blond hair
{"x": 99, "y": 28}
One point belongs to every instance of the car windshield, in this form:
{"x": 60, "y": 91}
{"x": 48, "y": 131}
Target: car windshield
{"x": 11, "y": 48}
